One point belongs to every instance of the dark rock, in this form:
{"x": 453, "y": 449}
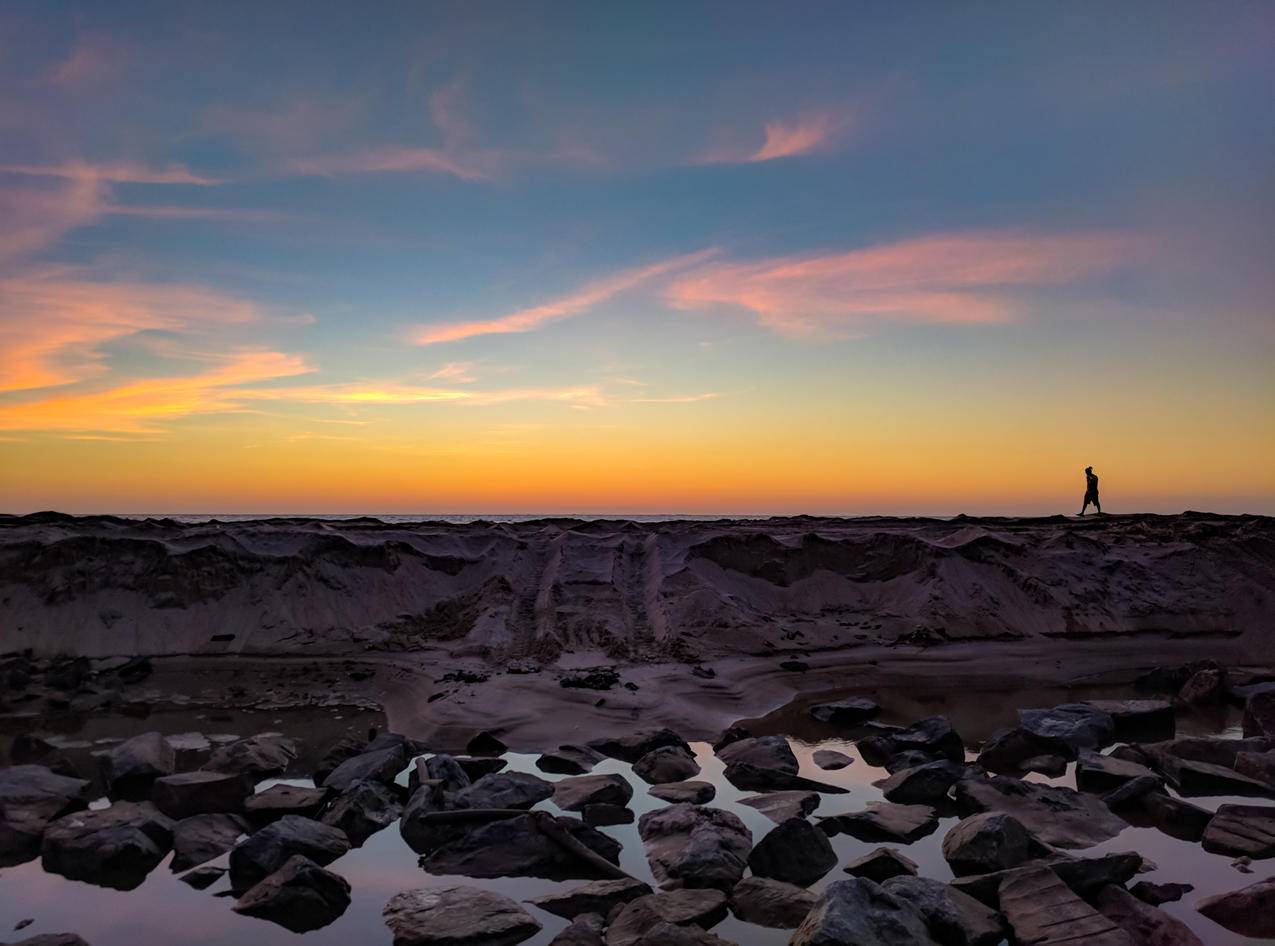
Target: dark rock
{"x": 380, "y": 765}
{"x": 1249, "y": 911}
{"x": 1143, "y": 923}
{"x": 1132, "y": 792}
{"x": 861, "y": 912}
{"x": 200, "y": 838}
{"x": 692, "y": 793}
{"x": 1076, "y": 725}
{"x": 633, "y": 747}
{"x": 933, "y": 736}
{"x": 780, "y": 806}
{"x": 849, "y": 712}
{"x": 676, "y": 908}
{"x": 831, "y": 760}
{"x": 517, "y": 847}
{"x": 666, "y": 934}
{"x": 1259, "y": 715}
{"x": 1101, "y": 773}
{"x": 446, "y": 770}
{"x": 764, "y": 752}
{"x": 257, "y": 757}
{"x": 362, "y": 810}
{"x": 695, "y": 846}
{"x": 751, "y": 778}
{"x": 729, "y": 735}
{"x": 1173, "y": 816}
{"x": 1042, "y": 910}
{"x": 988, "y": 842}
{"x": 600, "y": 678}
{"x": 300, "y": 896}
{"x": 572, "y": 794}
{"x": 794, "y": 851}
{"x": 201, "y": 878}
{"x": 476, "y": 768}
{"x": 283, "y": 799}
{"x": 486, "y": 743}
{"x": 794, "y": 666}
{"x": 666, "y": 764}
{"x": 457, "y": 916}
{"x": 31, "y": 796}
{"x": 880, "y": 865}
{"x": 199, "y": 793}
{"x": 1204, "y": 687}
{"x": 111, "y": 847}
{"x": 884, "y": 822}
{"x": 52, "y": 939}
{"x": 504, "y": 790}
{"x": 923, "y": 784}
{"x": 601, "y": 815}
{"x": 1156, "y": 894}
{"x": 569, "y": 760}
{"x": 346, "y": 748}
{"x": 1210, "y": 749}
{"x": 952, "y": 917}
{"x": 1085, "y": 876}
{"x": 1242, "y": 830}
{"x": 130, "y": 768}
{"x": 584, "y": 930}
{"x": 1010, "y": 751}
{"x": 1053, "y": 814}
{"x": 1139, "y": 720}
{"x": 269, "y": 849}
{"x": 599, "y": 896}
{"x": 1257, "y": 765}
{"x": 1202, "y": 779}
{"x": 771, "y": 903}
{"x": 421, "y": 834}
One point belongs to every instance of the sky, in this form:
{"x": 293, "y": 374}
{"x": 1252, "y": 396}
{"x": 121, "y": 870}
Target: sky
{"x": 825, "y": 258}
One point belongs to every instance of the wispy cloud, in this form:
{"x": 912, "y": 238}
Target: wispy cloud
{"x": 458, "y": 372}
{"x": 946, "y": 278}
{"x": 36, "y": 217}
{"x": 375, "y": 394}
{"x": 677, "y": 398}
{"x": 215, "y": 214}
{"x": 377, "y": 160}
{"x": 808, "y": 133}
{"x": 564, "y": 307}
{"x": 117, "y": 172}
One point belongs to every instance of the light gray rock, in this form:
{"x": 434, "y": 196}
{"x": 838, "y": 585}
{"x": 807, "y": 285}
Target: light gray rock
{"x": 457, "y": 916}
{"x": 572, "y": 794}
{"x": 599, "y": 896}
{"x": 695, "y": 846}
{"x": 769, "y": 902}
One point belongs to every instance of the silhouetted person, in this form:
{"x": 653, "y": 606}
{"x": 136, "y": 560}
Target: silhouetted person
{"x": 1091, "y": 491}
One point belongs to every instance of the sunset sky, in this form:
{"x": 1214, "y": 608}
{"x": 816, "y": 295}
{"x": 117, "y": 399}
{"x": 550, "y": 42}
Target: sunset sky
{"x": 636, "y": 258}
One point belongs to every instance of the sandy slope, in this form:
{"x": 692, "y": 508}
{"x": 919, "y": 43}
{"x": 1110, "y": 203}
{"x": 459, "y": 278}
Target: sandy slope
{"x": 608, "y": 591}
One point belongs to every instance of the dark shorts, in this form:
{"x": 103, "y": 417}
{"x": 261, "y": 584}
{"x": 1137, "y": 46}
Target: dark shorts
{"x": 1091, "y": 498}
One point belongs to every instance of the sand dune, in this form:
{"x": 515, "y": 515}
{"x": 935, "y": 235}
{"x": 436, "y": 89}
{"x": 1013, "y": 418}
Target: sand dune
{"x": 573, "y": 590}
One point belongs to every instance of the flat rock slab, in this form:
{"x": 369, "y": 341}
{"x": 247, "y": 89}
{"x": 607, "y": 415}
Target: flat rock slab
{"x": 881, "y": 865}
{"x": 695, "y": 846}
{"x": 922, "y": 784}
{"x": 1103, "y": 773}
{"x": 1043, "y": 911}
{"x": 517, "y": 847}
{"x": 504, "y": 790}
{"x": 599, "y": 896}
{"x": 381, "y": 765}
{"x": 771, "y": 903}
{"x": 1202, "y": 779}
{"x": 572, "y": 794}
{"x": 666, "y": 764}
{"x": 363, "y": 809}
{"x": 1249, "y": 911}
{"x": 831, "y": 760}
{"x": 1053, "y": 814}
{"x": 885, "y": 822}
{"x": 753, "y": 778}
{"x": 780, "y": 806}
{"x": 300, "y": 896}
{"x": 693, "y": 792}
{"x": 1084, "y": 875}
{"x": 1139, "y": 720}
{"x": 1242, "y": 830}
{"x": 281, "y": 799}
{"x": 110, "y": 847}
{"x": 257, "y": 756}
{"x": 200, "y": 838}
{"x": 702, "y": 908}
{"x": 270, "y": 848}
{"x": 1143, "y": 922}
{"x": 569, "y": 760}
{"x": 765, "y": 752}
{"x": 950, "y": 915}
{"x": 584, "y": 930}
{"x": 200, "y": 793}
{"x": 848, "y": 712}
{"x": 31, "y": 796}
{"x": 632, "y": 747}
{"x": 457, "y": 916}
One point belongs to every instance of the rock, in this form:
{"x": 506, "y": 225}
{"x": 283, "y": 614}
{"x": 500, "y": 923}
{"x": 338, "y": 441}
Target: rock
{"x": 666, "y": 764}
{"x": 695, "y": 846}
{"x": 794, "y": 851}
{"x": 934, "y": 736}
{"x": 31, "y": 796}
{"x": 1249, "y": 912}
{"x": 1053, "y": 814}
{"x": 1259, "y": 715}
{"x": 1043, "y": 911}
{"x": 988, "y": 842}
{"x": 269, "y": 849}
{"x": 599, "y": 678}
{"x": 693, "y": 793}
{"x": 1241, "y": 830}
{"x": 486, "y": 743}
{"x": 1143, "y": 923}
{"x": 1012, "y": 751}
{"x": 765, "y": 752}
{"x": 421, "y": 834}
{"x": 1139, "y": 720}
{"x": 1075, "y": 725}
{"x": 600, "y": 815}
{"x": 952, "y": 917}
{"x": 831, "y": 760}
{"x": 780, "y": 806}
{"x": 1210, "y": 749}
{"x": 1257, "y": 765}
{"x": 446, "y": 770}
{"x": 283, "y": 799}
{"x": 201, "y": 878}
{"x": 633, "y": 747}
{"x": 200, "y": 838}
{"x": 1085, "y": 876}
{"x": 362, "y": 810}
{"x": 572, "y": 794}
{"x": 1102, "y": 773}
{"x": 52, "y": 939}
{"x": 1156, "y": 894}
{"x": 476, "y": 768}
{"x": 772, "y": 903}
{"x": 257, "y": 757}
{"x": 300, "y": 896}
{"x": 880, "y": 865}
{"x": 130, "y": 768}
{"x": 457, "y": 916}
{"x": 584, "y": 930}
{"x": 884, "y": 822}
{"x": 1204, "y": 686}
{"x": 1175, "y": 817}
{"x": 863, "y": 913}
{"x": 666, "y": 934}
{"x": 518, "y": 847}
{"x": 1203, "y": 779}
{"x": 1132, "y": 792}
{"x": 110, "y": 847}
{"x": 751, "y": 778}
{"x": 599, "y": 896}
{"x": 908, "y": 759}
{"x": 381, "y": 765}
{"x": 569, "y": 760}
{"x": 922, "y": 784}
{"x": 729, "y": 735}
{"x": 849, "y": 712}
{"x": 199, "y": 793}
{"x": 702, "y": 908}
{"x": 504, "y": 790}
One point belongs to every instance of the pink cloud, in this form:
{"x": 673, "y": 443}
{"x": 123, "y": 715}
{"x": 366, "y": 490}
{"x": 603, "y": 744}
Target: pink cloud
{"x": 808, "y": 133}
{"x": 35, "y": 217}
{"x": 458, "y": 372}
{"x": 93, "y": 62}
{"x": 119, "y": 172}
{"x": 959, "y": 278}
{"x": 379, "y": 160}
{"x": 571, "y": 304}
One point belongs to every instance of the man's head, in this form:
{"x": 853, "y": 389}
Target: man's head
{"x": 1088, "y": 469}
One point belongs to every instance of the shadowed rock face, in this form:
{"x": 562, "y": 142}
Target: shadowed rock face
{"x": 103, "y": 585}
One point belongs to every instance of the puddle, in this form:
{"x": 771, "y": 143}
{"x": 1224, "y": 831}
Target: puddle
{"x": 164, "y": 910}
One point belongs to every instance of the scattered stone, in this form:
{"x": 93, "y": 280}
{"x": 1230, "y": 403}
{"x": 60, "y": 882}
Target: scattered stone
{"x": 693, "y": 793}
{"x": 601, "y": 815}
{"x": 1156, "y": 894}
{"x": 257, "y": 757}
{"x": 1103, "y": 773}
{"x": 572, "y": 794}
{"x": 31, "y": 796}
{"x": 199, "y": 793}
{"x": 476, "y": 768}
{"x": 131, "y": 768}
{"x": 1249, "y": 911}
{"x": 283, "y": 799}
{"x": 269, "y": 849}
{"x": 599, "y": 896}
{"x": 300, "y": 896}
{"x": 446, "y": 770}
{"x": 695, "y": 846}
{"x": 1139, "y": 720}
{"x": 764, "y": 752}
{"x": 752, "y": 778}
{"x": 988, "y": 842}
{"x": 794, "y": 851}
{"x": 569, "y": 760}
{"x": 666, "y": 764}
{"x": 831, "y": 760}
{"x": 457, "y": 916}
{"x": 362, "y": 810}
{"x": 1053, "y": 814}
{"x": 1204, "y": 686}
{"x": 633, "y": 747}
{"x": 504, "y": 790}
{"x": 1259, "y": 715}
{"x": 200, "y": 838}
{"x": 519, "y": 847}
{"x": 861, "y": 912}
{"x": 882, "y": 864}
{"x": 380, "y": 765}
{"x": 1075, "y": 725}
{"x": 1203, "y": 779}
{"x": 486, "y": 743}
{"x": 1247, "y": 830}
{"x": 780, "y": 806}
{"x": 201, "y": 878}
{"x": 1084, "y": 875}
{"x": 952, "y": 917}
{"x": 1043, "y": 911}
{"x": 1014, "y": 751}
{"x": 1243, "y": 864}
{"x": 599, "y": 678}
{"x": 849, "y": 712}
{"x": 584, "y": 930}
{"x": 771, "y": 903}
{"x": 702, "y": 908}
{"x": 110, "y": 847}
{"x": 884, "y": 822}
{"x": 922, "y": 784}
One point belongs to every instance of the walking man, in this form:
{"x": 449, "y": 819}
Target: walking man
{"x": 1091, "y": 491}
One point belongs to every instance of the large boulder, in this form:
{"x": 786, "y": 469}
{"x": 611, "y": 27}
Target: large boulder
{"x": 677, "y": 908}
{"x": 849, "y": 712}
{"x": 863, "y": 913}
{"x": 31, "y": 796}
{"x": 1242, "y": 831}
{"x": 1085, "y": 876}
{"x": 269, "y": 849}
{"x": 765, "y": 752}
{"x": 363, "y": 809}
{"x": 445, "y": 770}
{"x": 1104, "y": 773}
{"x": 200, "y": 793}
{"x": 1139, "y": 720}
{"x": 257, "y": 757}
{"x": 880, "y": 865}
{"x": 300, "y": 896}
{"x": 1054, "y": 814}
{"x": 1259, "y": 715}
{"x": 572, "y": 794}
{"x": 932, "y": 737}
{"x": 200, "y": 838}
{"x": 666, "y": 764}
{"x": 884, "y": 822}
{"x": 569, "y": 760}
{"x": 1015, "y": 750}
{"x": 110, "y": 847}
{"x": 504, "y": 790}
{"x": 1249, "y": 911}
{"x": 922, "y": 784}
{"x": 1043, "y": 911}
{"x": 1076, "y": 725}
{"x": 952, "y": 917}
{"x": 794, "y": 851}
{"x": 769, "y": 902}
{"x": 1143, "y": 922}
{"x": 457, "y": 916}
{"x": 632, "y": 747}
{"x": 780, "y": 806}
{"x": 754, "y": 778}
{"x": 1204, "y": 779}
{"x": 695, "y": 846}
{"x": 283, "y": 799}
{"x": 988, "y": 842}
{"x": 381, "y": 765}
{"x": 598, "y": 896}
{"x": 520, "y": 847}
{"x": 131, "y": 768}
